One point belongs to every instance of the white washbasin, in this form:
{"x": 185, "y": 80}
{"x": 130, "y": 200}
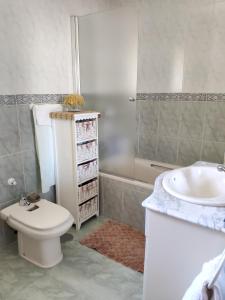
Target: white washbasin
{"x": 203, "y": 185}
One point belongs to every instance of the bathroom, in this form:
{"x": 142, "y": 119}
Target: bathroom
{"x": 158, "y": 84}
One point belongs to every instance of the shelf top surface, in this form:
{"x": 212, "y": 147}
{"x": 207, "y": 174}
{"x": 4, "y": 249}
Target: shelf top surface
{"x": 74, "y": 115}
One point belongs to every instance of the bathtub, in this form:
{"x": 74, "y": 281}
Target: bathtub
{"x": 121, "y": 197}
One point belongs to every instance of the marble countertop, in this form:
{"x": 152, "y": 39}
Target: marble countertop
{"x": 162, "y": 202}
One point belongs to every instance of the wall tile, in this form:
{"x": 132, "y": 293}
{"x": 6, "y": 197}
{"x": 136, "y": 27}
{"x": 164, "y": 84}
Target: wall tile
{"x": 215, "y": 121}
{"x": 192, "y": 118}
{"x": 134, "y": 213}
{"x": 9, "y": 133}
{"x": 147, "y": 144}
{"x": 148, "y": 115}
{"x": 7, "y": 99}
{"x": 28, "y": 98}
{"x": 217, "y": 49}
{"x": 167, "y": 150}
{"x": 189, "y": 152}
{"x": 26, "y": 126}
{"x": 11, "y": 166}
{"x": 31, "y": 172}
{"x": 213, "y": 152}
{"x": 101, "y": 196}
{"x": 113, "y": 198}
{"x": 125, "y": 205}
{"x": 186, "y": 120}
{"x": 160, "y": 55}
{"x": 169, "y": 118}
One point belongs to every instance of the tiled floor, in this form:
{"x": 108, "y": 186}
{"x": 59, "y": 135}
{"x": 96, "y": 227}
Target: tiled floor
{"x": 83, "y": 274}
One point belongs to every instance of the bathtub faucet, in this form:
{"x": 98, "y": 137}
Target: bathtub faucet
{"x": 221, "y": 168}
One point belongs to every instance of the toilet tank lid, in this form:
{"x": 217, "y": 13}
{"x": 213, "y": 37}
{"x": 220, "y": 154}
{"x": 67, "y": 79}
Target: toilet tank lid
{"x": 48, "y": 215}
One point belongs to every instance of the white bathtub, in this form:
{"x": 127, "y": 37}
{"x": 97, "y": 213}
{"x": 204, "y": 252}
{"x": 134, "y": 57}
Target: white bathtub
{"x": 147, "y": 170}
{"x": 121, "y": 197}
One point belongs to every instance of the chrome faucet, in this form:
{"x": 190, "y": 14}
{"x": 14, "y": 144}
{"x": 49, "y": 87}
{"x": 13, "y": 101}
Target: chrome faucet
{"x": 221, "y": 168}
{"x": 23, "y": 201}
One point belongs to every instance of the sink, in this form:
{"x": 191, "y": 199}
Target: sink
{"x": 203, "y": 185}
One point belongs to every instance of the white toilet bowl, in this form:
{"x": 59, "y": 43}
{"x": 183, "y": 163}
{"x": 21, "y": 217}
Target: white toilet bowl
{"x": 39, "y": 227}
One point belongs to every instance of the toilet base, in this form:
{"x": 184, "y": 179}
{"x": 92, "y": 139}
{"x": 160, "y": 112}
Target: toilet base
{"x": 43, "y": 253}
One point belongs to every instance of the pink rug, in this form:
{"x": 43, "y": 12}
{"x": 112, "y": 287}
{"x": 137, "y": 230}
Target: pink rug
{"x": 119, "y": 242}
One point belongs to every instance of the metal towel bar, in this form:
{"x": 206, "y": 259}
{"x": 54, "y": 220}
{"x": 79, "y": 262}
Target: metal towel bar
{"x": 153, "y": 165}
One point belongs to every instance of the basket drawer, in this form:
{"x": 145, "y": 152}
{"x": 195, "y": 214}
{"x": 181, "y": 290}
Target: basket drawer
{"x": 88, "y": 208}
{"x": 87, "y": 191}
{"x": 86, "y": 130}
{"x": 87, "y": 171}
{"x": 86, "y": 151}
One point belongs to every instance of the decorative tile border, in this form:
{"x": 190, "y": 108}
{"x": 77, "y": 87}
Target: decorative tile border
{"x": 30, "y": 98}
{"x": 7, "y": 99}
{"x": 58, "y": 98}
{"x": 180, "y": 97}
{"x": 216, "y": 97}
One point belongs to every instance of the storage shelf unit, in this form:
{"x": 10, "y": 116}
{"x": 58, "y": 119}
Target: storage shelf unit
{"x": 77, "y": 163}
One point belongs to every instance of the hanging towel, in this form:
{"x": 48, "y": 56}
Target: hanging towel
{"x": 198, "y": 289}
{"x": 44, "y": 143}
{"x": 42, "y": 114}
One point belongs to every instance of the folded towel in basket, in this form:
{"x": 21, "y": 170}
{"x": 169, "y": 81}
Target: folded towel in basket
{"x": 199, "y": 287}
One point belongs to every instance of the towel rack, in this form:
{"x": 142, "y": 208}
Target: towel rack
{"x": 217, "y": 271}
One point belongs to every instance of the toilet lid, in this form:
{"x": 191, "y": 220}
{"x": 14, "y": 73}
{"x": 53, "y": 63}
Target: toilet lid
{"x": 47, "y": 216}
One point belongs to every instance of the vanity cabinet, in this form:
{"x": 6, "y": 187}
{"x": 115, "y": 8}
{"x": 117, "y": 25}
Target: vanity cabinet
{"x": 77, "y": 164}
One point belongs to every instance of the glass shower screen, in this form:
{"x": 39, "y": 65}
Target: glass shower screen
{"x": 108, "y": 74}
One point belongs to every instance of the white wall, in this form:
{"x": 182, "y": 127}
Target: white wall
{"x": 35, "y": 53}
{"x": 181, "y": 46}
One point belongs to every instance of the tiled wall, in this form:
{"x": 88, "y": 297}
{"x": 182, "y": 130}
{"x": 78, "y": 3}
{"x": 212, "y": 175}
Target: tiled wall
{"x": 35, "y": 38}
{"x": 17, "y": 151}
{"x": 121, "y": 201}
{"x": 181, "y": 128}
{"x": 181, "y": 46}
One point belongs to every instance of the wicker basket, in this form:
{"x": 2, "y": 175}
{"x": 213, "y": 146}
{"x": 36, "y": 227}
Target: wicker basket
{"x": 88, "y": 208}
{"x": 87, "y": 171}
{"x": 86, "y": 151}
{"x": 86, "y": 130}
{"x": 87, "y": 191}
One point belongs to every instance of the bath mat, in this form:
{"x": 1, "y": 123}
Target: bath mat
{"x": 119, "y": 242}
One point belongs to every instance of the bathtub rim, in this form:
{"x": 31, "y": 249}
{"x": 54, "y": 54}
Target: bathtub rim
{"x": 128, "y": 180}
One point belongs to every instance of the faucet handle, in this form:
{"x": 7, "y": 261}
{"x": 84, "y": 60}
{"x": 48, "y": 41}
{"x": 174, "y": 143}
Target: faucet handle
{"x": 221, "y": 168}
{"x": 23, "y": 201}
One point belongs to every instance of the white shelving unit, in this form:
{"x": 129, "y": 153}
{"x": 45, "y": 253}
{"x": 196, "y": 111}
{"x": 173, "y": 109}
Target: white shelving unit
{"x": 77, "y": 163}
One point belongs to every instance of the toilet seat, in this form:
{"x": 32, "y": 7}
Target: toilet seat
{"x": 39, "y": 227}
{"x": 48, "y": 221}
{"x": 46, "y": 216}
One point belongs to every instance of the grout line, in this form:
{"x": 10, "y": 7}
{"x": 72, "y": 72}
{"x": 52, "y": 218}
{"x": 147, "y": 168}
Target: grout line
{"x": 179, "y": 130}
{"x": 19, "y": 131}
{"x": 14, "y": 153}
{"x": 203, "y": 129}
{"x": 9, "y": 202}
{"x": 157, "y": 131}
{"x": 138, "y": 129}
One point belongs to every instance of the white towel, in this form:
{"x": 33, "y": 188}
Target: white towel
{"x": 42, "y": 112}
{"x": 44, "y": 143}
{"x": 198, "y": 289}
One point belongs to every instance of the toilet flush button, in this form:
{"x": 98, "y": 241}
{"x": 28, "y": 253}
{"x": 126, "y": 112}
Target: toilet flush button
{"x": 12, "y": 181}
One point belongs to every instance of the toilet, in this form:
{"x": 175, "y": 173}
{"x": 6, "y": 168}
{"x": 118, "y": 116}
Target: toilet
{"x": 39, "y": 228}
